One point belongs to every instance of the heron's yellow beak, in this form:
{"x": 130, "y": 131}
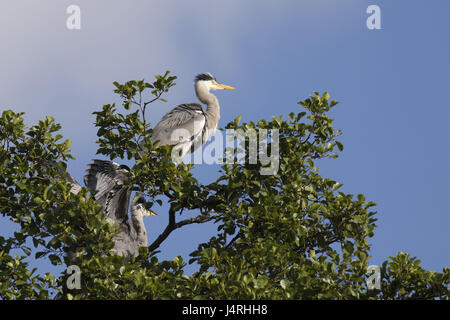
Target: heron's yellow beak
{"x": 224, "y": 86}
{"x": 150, "y": 213}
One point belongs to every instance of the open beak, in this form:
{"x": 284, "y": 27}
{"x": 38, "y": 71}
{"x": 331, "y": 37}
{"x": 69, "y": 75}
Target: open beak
{"x": 151, "y": 213}
{"x": 224, "y": 86}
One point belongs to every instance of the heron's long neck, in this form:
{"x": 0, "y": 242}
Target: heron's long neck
{"x": 138, "y": 225}
{"x": 212, "y": 103}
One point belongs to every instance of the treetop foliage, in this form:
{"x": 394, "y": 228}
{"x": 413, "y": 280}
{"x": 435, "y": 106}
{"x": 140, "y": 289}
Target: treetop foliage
{"x": 291, "y": 235}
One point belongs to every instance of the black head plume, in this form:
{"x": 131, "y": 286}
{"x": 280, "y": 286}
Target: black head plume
{"x": 204, "y": 76}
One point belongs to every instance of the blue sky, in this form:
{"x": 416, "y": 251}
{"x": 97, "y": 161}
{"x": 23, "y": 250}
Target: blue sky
{"x": 392, "y": 85}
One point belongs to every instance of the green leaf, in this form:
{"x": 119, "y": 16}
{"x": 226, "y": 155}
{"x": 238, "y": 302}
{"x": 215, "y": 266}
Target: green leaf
{"x": 284, "y": 284}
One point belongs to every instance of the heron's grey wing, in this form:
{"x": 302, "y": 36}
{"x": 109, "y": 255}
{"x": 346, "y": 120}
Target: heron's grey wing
{"x": 107, "y": 184}
{"x": 100, "y": 178}
{"x": 183, "y": 123}
{"x": 76, "y": 187}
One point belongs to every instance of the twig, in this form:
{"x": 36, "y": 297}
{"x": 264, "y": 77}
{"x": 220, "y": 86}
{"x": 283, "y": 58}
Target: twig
{"x": 233, "y": 240}
{"x": 154, "y": 99}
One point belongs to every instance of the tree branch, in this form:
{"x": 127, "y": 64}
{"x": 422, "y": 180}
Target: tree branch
{"x": 172, "y": 225}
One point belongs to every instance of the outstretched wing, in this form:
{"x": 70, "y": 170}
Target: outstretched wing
{"x": 75, "y": 185}
{"x": 182, "y": 124}
{"x": 106, "y": 181}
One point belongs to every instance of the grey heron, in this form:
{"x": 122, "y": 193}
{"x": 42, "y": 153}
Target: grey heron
{"x": 188, "y": 125}
{"x": 106, "y": 180}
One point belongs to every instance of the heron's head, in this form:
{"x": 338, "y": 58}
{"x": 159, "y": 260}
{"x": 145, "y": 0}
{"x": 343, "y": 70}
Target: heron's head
{"x": 139, "y": 204}
{"x": 206, "y": 81}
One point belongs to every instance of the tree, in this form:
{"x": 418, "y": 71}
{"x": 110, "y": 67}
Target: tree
{"x": 290, "y": 235}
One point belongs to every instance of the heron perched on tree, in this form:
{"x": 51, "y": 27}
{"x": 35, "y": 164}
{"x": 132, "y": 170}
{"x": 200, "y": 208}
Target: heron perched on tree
{"x": 188, "y": 125}
{"x": 106, "y": 179}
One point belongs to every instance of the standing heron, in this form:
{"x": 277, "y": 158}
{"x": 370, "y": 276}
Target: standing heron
{"x": 106, "y": 180}
{"x": 188, "y": 125}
